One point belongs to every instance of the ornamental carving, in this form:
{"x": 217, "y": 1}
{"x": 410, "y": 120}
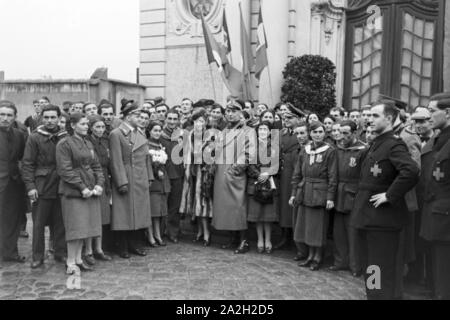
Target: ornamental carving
{"x": 184, "y": 16}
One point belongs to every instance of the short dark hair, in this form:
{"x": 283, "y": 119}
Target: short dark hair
{"x": 339, "y": 109}
{"x": 35, "y": 101}
{"x": 301, "y": 124}
{"x": 173, "y": 111}
{"x": 46, "y": 99}
{"x": 444, "y": 104}
{"x": 366, "y": 107}
{"x": 154, "y": 124}
{"x": 351, "y": 124}
{"x": 330, "y": 117}
{"x": 51, "y": 108}
{"x": 9, "y": 105}
{"x": 104, "y": 106}
{"x": 162, "y": 105}
{"x": 389, "y": 109}
{"x": 88, "y": 104}
{"x": 146, "y": 112}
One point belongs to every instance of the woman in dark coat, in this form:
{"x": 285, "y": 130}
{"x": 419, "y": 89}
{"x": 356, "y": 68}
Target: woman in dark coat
{"x": 197, "y": 199}
{"x": 313, "y": 189}
{"x": 263, "y": 210}
{"x": 81, "y": 187}
{"x": 101, "y": 146}
{"x": 160, "y": 188}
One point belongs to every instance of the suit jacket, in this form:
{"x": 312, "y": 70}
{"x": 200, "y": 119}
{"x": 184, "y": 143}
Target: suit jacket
{"x": 387, "y": 168}
{"x": 39, "y": 163}
{"x": 12, "y": 145}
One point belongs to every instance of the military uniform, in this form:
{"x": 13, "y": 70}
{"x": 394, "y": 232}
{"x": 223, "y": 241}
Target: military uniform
{"x": 346, "y": 252}
{"x": 436, "y": 212}
{"x": 289, "y": 150}
{"x": 39, "y": 173}
{"x": 387, "y": 168}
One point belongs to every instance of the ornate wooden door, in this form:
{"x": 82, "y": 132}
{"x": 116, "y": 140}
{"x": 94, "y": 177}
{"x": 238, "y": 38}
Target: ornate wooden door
{"x": 402, "y": 57}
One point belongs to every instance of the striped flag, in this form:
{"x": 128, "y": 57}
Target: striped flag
{"x": 261, "y": 49}
{"x": 217, "y": 54}
{"x": 247, "y": 61}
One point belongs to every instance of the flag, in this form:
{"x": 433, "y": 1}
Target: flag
{"x": 247, "y": 60}
{"x": 226, "y": 34}
{"x": 217, "y": 54}
{"x": 261, "y": 48}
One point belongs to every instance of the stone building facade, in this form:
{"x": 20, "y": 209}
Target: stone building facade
{"x": 396, "y": 47}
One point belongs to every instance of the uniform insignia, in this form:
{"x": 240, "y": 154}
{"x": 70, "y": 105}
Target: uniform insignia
{"x": 319, "y": 158}
{"x": 376, "y": 170}
{"x": 352, "y": 162}
{"x": 438, "y": 174}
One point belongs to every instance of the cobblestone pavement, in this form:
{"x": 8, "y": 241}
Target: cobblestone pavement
{"x": 183, "y": 271}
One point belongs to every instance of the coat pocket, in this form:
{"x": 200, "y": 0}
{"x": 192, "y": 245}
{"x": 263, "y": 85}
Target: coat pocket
{"x": 319, "y": 195}
{"x": 350, "y": 195}
{"x": 441, "y": 207}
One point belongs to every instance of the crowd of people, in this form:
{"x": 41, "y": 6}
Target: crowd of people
{"x": 375, "y": 180}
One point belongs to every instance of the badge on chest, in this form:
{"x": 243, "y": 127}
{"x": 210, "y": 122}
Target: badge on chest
{"x": 353, "y": 162}
{"x": 376, "y": 170}
{"x": 316, "y": 156}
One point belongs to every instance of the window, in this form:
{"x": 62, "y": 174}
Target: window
{"x": 402, "y": 59}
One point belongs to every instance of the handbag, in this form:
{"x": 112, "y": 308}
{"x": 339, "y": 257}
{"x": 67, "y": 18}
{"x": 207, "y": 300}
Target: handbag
{"x": 264, "y": 193}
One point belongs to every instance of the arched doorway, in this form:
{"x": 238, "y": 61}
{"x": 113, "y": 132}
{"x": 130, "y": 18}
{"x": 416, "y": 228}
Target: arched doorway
{"x": 403, "y": 57}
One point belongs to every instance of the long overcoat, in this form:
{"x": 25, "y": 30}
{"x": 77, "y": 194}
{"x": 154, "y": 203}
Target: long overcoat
{"x": 289, "y": 151}
{"x": 130, "y": 166}
{"x": 230, "y": 183}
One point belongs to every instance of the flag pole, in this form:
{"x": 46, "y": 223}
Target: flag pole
{"x": 212, "y": 81}
{"x": 270, "y": 86}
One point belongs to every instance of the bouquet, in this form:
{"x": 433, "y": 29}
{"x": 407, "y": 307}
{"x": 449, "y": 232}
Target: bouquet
{"x": 159, "y": 156}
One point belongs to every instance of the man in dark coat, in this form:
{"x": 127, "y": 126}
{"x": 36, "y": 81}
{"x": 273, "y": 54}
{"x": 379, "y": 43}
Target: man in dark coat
{"x": 132, "y": 173}
{"x": 175, "y": 171}
{"x": 42, "y": 181}
{"x": 380, "y": 212}
{"x": 12, "y": 189}
{"x": 436, "y": 210}
{"x": 289, "y": 150}
{"x": 350, "y": 152}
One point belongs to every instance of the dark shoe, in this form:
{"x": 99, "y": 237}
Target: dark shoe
{"x": 89, "y": 259}
{"x": 151, "y": 244}
{"x": 124, "y": 255}
{"x": 315, "y": 266}
{"x": 269, "y": 250}
{"x": 37, "y": 264}
{"x": 60, "y": 259}
{"x": 305, "y": 264}
{"x": 244, "y": 247}
{"x": 85, "y": 267}
{"x": 18, "y": 259}
{"x": 261, "y": 250}
{"x": 207, "y": 243}
{"x": 139, "y": 252}
{"x": 24, "y": 234}
{"x": 102, "y": 257}
{"x": 300, "y": 258}
{"x": 337, "y": 268}
{"x": 161, "y": 243}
